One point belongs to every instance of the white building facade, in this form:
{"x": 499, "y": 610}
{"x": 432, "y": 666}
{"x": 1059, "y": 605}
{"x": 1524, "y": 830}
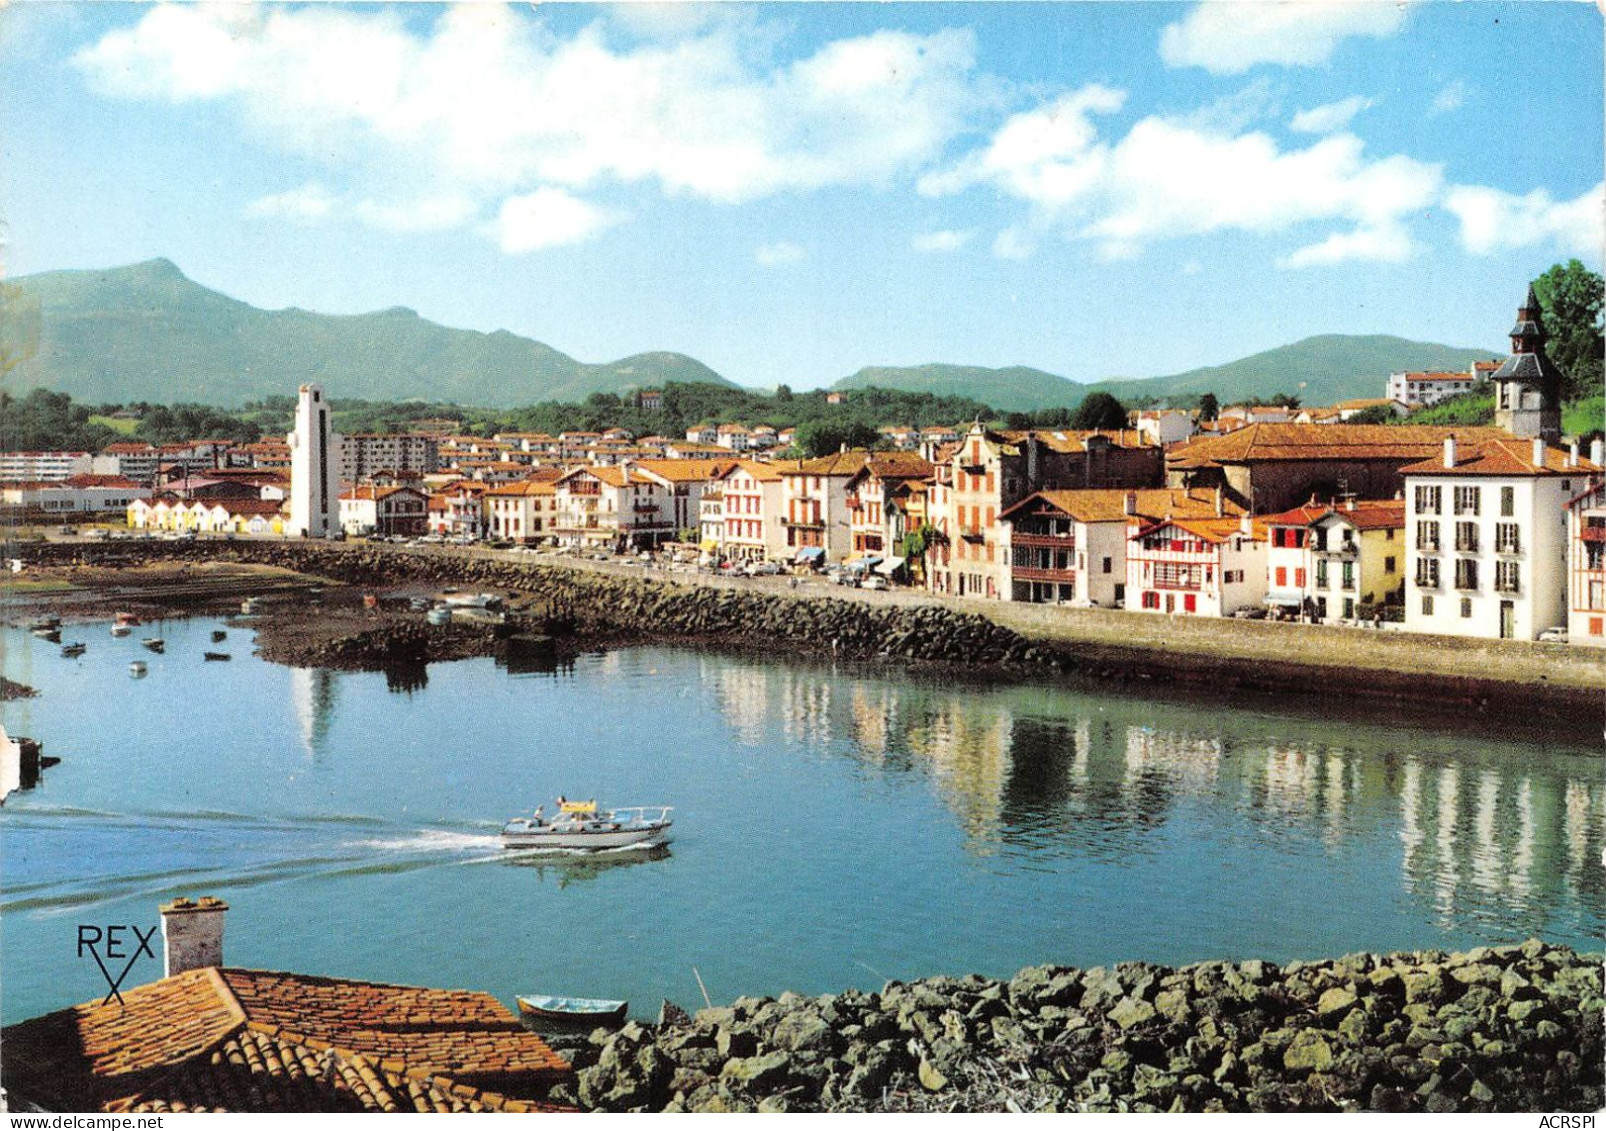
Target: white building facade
{"x": 314, "y": 471}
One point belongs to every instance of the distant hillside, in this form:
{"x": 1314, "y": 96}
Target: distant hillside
{"x": 1319, "y": 371}
{"x": 148, "y": 333}
{"x": 1017, "y": 389}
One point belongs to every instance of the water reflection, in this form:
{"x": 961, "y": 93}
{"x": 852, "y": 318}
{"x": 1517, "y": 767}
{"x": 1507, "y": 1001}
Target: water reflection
{"x": 1481, "y": 826}
{"x": 404, "y": 679}
{"x": 582, "y": 868}
{"x": 312, "y": 695}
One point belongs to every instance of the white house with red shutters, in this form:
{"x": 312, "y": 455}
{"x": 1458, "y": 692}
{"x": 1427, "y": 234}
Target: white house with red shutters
{"x": 1586, "y": 564}
{"x": 1208, "y": 567}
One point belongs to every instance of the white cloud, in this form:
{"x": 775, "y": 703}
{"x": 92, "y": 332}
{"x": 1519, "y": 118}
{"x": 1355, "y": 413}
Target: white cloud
{"x": 308, "y": 204}
{"x": 945, "y": 240}
{"x": 423, "y": 214}
{"x": 1166, "y": 179}
{"x": 777, "y": 254}
{"x": 548, "y": 217}
{"x": 486, "y": 105}
{"x": 1014, "y": 243}
{"x": 1329, "y": 118}
{"x": 1494, "y": 221}
{"x": 1227, "y": 37}
{"x": 1452, "y": 97}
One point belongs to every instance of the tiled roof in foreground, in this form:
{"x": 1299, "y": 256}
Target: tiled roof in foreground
{"x": 251, "y": 1040}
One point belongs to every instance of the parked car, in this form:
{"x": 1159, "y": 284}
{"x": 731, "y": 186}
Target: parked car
{"x": 67, "y": 530}
{"x": 846, "y": 577}
{"x": 875, "y": 581}
{"x": 1556, "y": 635}
{"x": 763, "y": 569}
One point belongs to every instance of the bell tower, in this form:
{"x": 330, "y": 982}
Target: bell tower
{"x": 1527, "y": 387}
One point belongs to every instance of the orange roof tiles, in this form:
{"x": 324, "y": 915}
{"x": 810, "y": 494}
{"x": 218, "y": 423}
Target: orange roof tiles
{"x": 1506, "y": 456}
{"x": 686, "y": 470}
{"x": 1109, "y": 505}
{"x": 1363, "y": 514}
{"x": 837, "y": 463}
{"x": 1318, "y": 442}
{"x": 250, "y": 1040}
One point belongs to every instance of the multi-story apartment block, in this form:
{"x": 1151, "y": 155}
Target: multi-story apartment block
{"x": 132, "y": 460}
{"x": 1418, "y": 390}
{"x": 1330, "y": 563}
{"x": 1586, "y": 551}
{"x": 366, "y": 454}
{"x": 1487, "y": 524}
{"x": 387, "y": 511}
{"x": 989, "y": 472}
{"x": 1197, "y": 566}
{"x": 684, "y": 481}
{"x": 711, "y": 521}
{"x": 1070, "y": 547}
{"x": 457, "y": 509}
{"x": 814, "y": 501}
{"x": 523, "y": 511}
{"x": 750, "y": 512}
{"x": 36, "y": 467}
{"x": 613, "y": 508}
{"x": 79, "y": 495}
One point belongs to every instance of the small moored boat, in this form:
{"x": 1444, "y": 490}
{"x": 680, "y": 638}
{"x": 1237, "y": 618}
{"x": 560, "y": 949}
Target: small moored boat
{"x": 215, "y": 655}
{"x": 581, "y": 825}
{"x": 137, "y": 669}
{"x": 121, "y": 630}
{"x": 155, "y": 643}
{"x": 552, "y": 1011}
{"x": 45, "y": 624}
{"x": 218, "y": 636}
{"x": 71, "y": 651}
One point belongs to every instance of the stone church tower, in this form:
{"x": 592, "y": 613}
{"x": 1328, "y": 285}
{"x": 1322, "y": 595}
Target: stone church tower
{"x": 1527, "y": 388}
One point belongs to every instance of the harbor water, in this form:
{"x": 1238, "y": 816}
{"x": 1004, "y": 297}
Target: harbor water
{"x": 834, "y": 827}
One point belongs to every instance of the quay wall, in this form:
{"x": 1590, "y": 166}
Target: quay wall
{"x": 1496, "y": 1029}
{"x": 612, "y": 603}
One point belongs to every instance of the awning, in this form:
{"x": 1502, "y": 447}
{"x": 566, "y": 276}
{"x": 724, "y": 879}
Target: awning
{"x": 709, "y": 545}
{"x": 810, "y": 553}
{"x": 863, "y": 563}
{"x": 889, "y": 567}
{"x": 1285, "y": 602}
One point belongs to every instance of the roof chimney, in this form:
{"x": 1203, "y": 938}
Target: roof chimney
{"x": 1449, "y": 451}
{"x": 1597, "y": 451}
{"x": 192, "y": 933}
{"x": 1219, "y": 511}
{"x": 1572, "y": 454}
{"x": 1539, "y": 452}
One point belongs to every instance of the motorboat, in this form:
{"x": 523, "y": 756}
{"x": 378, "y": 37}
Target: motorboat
{"x": 580, "y": 825}
{"x": 137, "y": 669}
{"x": 155, "y": 644}
{"x": 51, "y": 634}
{"x": 121, "y": 630}
{"x": 550, "y": 1011}
{"x": 74, "y": 650}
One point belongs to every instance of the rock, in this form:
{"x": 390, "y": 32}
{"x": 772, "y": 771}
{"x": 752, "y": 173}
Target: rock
{"x": 801, "y": 1031}
{"x": 930, "y": 1079}
{"x": 672, "y": 1016}
{"x": 1335, "y": 1003}
{"x": 1308, "y": 1052}
{"x": 756, "y": 1072}
{"x": 735, "y": 1041}
{"x": 1130, "y": 1012}
{"x": 1426, "y": 985}
{"x": 1172, "y": 1004}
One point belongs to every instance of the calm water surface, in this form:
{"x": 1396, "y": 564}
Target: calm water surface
{"x": 834, "y": 828}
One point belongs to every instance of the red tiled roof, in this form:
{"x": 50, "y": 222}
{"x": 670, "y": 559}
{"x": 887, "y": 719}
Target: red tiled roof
{"x": 1264, "y": 442}
{"x": 250, "y": 1040}
{"x": 1506, "y": 456}
{"x": 1100, "y": 504}
{"x": 1363, "y": 514}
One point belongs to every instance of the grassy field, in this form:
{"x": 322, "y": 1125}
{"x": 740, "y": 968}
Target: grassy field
{"x": 1584, "y": 416}
{"x": 121, "y": 427}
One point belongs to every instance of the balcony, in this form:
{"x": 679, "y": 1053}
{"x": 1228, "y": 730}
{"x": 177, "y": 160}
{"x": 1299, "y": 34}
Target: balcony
{"x": 1593, "y": 533}
{"x": 1065, "y": 542}
{"x": 972, "y": 534}
{"x": 973, "y": 468}
{"x": 1032, "y": 573}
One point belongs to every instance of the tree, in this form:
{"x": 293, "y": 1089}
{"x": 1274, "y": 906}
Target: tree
{"x": 783, "y": 393}
{"x": 1209, "y": 407}
{"x": 1570, "y": 297}
{"x": 1099, "y": 410}
{"x": 1377, "y": 414}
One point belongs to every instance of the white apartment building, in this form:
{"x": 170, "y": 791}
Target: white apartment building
{"x": 1417, "y": 390}
{"x": 34, "y": 467}
{"x": 1487, "y": 530}
{"x": 365, "y": 454}
{"x": 523, "y": 511}
{"x": 750, "y": 513}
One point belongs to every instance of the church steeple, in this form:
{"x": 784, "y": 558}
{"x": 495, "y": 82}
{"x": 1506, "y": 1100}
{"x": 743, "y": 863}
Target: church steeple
{"x": 1528, "y": 384}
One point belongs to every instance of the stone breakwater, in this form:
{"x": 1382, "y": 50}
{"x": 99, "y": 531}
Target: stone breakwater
{"x": 1496, "y": 1029}
{"x": 587, "y": 608}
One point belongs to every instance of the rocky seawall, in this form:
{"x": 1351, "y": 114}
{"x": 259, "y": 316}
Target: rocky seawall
{"x": 586, "y": 608}
{"x": 1496, "y": 1029}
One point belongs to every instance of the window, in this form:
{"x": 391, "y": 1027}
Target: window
{"x": 1466, "y": 500}
{"x": 1466, "y": 573}
{"x": 1349, "y": 608}
{"x": 1466, "y": 607}
{"x": 1466, "y": 537}
{"x": 1427, "y": 536}
{"x": 1427, "y": 573}
{"x": 1151, "y": 599}
{"x": 1299, "y": 578}
{"x": 1106, "y": 565}
{"x": 1321, "y": 574}
{"x": 1597, "y": 626}
{"x": 1190, "y": 603}
{"x": 1506, "y": 576}
{"x": 1508, "y": 502}
{"x": 1282, "y": 576}
{"x": 1349, "y": 577}
{"x": 1427, "y": 500}
{"x": 1388, "y": 565}
{"x": 1506, "y": 538}
{"x": 1427, "y": 604}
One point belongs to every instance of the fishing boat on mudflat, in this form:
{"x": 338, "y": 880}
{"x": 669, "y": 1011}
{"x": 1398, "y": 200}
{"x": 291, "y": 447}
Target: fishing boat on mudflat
{"x": 580, "y": 825}
{"x": 550, "y": 1011}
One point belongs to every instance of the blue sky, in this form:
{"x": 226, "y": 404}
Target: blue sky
{"x": 788, "y": 192}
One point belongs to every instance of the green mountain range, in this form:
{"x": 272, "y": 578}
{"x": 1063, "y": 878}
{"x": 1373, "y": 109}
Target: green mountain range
{"x": 148, "y": 333}
{"x": 1322, "y": 370}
